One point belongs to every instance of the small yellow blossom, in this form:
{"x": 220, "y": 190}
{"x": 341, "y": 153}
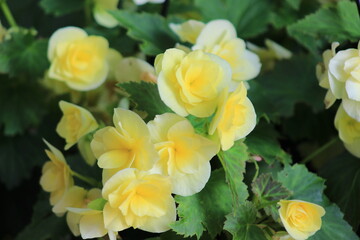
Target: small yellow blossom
{"x": 301, "y": 219}
{"x": 219, "y": 37}
{"x": 101, "y": 15}
{"x": 191, "y": 83}
{"x": 234, "y": 119}
{"x": 126, "y": 145}
{"x": 75, "y": 123}
{"x": 188, "y": 31}
{"x": 77, "y": 59}
{"x": 344, "y": 79}
{"x": 56, "y": 175}
{"x": 184, "y": 155}
{"x": 73, "y": 197}
{"x": 138, "y": 199}
{"x": 85, "y": 150}
{"x": 349, "y": 131}
{"x": 135, "y": 70}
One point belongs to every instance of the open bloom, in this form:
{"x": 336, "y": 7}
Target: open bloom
{"x": 234, "y": 119}
{"x": 188, "y": 31}
{"x": 301, "y": 219}
{"x": 77, "y": 59}
{"x": 56, "y": 175}
{"x": 184, "y": 155}
{"x": 191, "y": 83}
{"x": 140, "y": 200}
{"x": 344, "y": 79}
{"x": 219, "y": 37}
{"x": 101, "y": 15}
{"x": 349, "y": 131}
{"x": 126, "y": 145}
{"x": 131, "y": 69}
{"x": 75, "y": 123}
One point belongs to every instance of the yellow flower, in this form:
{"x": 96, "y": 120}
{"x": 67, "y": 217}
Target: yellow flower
{"x": 77, "y": 59}
{"x": 73, "y": 197}
{"x": 301, "y": 219}
{"x": 344, "y": 79}
{"x": 85, "y": 150}
{"x": 75, "y": 123}
{"x": 219, "y": 37}
{"x": 101, "y": 15}
{"x": 349, "y": 131}
{"x": 126, "y": 145}
{"x": 234, "y": 119}
{"x": 188, "y": 31}
{"x": 135, "y": 70}
{"x": 56, "y": 175}
{"x": 184, "y": 155}
{"x": 191, "y": 83}
{"x": 140, "y": 200}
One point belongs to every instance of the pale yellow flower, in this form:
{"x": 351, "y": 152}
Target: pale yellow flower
{"x": 85, "y": 150}
{"x": 188, "y": 31}
{"x": 133, "y": 69}
{"x": 219, "y": 37}
{"x": 56, "y": 175}
{"x": 301, "y": 219}
{"x": 75, "y": 123}
{"x": 184, "y": 155}
{"x": 126, "y": 145}
{"x": 191, "y": 83}
{"x": 101, "y": 15}
{"x": 140, "y": 200}
{"x": 234, "y": 119}
{"x": 344, "y": 79}
{"x": 349, "y": 131}
{"x": 77, "y": 59}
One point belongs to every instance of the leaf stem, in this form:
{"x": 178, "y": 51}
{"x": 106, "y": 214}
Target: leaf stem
{"x": 165, "y": 7}
{"x": 257, "y": 170}
{"x": 319, "y": 151}
{"x": 88, "y": 180}
{"x": 8, "y": 15}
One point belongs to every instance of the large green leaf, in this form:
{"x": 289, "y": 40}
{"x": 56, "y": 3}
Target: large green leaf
{"x": 328, "y": 24}
{"x": 233, "y": 162}
{"x": 275, "y": 93}
{"x": 241, "y": 223}
{"x": 205, "y": 210}
{"x": 151, "y": 29}
{"x": 61, "y": 7}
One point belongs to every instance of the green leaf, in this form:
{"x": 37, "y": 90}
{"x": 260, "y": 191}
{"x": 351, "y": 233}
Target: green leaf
{"x": 263, "y": 142}
{"x": 201, "y": 125}
{"x": 234, "y": 161}
{"x": 294, "y": 3}
{"x": 340, "y": 23}
{"x": 249, "y": 17}
{"x": 61, "y": 7}
{"x": 268, "y": 192}
{"x": 342, "y": 176}
{"x": 291, "y": 82}
{"x": 97, "y": 204}
{"x": 241, "y": 223}
{"x": 151, "y": 29}
{"x": 147, "y": 98}
{"x": 205, "y": 210}
{"x": 23, "y": 55}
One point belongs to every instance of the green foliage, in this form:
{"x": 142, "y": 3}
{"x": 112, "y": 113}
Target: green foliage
{"x": 241, "y": 223}
{"x": 147, "y": 98}
{"x": 24, "y": 55}
{"x": 61, "y": 7}
{"x": 263, "y": 142}
{"x": 292, "y": 81}
{"x": 205, "y": 210}
{"x": 294, "y": 3}
{"x": 268, "y": 192}
{"x": 328, "y": 24}
{"x": 249, "y": 17}
{"x": 233, "y": 162}
{"x": 151, "y": 29}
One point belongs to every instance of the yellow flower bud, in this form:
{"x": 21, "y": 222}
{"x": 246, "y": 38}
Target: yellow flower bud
{"x": 301, "y": 219}
{"x": 56, "y": 176}
{"x": 77, "y": 59}
{"x": 188, "y": 31}
{"x": 191, "y": 83}
{"x": 101, "y": 15}
{"x": 184, "y": 155}
{"x": 140, "y": 200}
{"x": 75, "y": 123}
{"x": 234, "y": 119}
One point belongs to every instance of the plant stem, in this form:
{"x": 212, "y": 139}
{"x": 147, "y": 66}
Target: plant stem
{"x": 319, "y": 150}
{"x": 8, "y": 15}
{"x": 88, "y": 180}
{"x": 257, "y": 170}
{"x": 87, "y": 10}
{"x": 165, "y": 8}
